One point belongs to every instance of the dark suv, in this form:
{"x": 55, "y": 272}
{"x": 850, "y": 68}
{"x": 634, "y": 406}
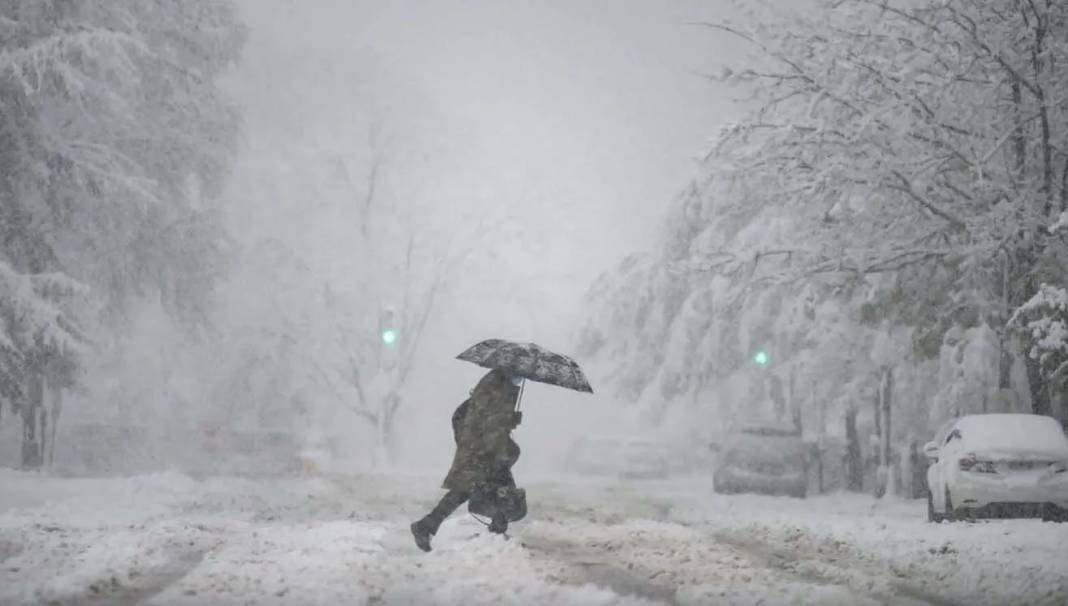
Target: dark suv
{"x": 764, "y": 459}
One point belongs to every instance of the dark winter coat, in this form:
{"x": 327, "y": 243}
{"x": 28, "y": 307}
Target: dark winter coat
{"x": 458, "y": 417}
{"x": 482, "y": 426}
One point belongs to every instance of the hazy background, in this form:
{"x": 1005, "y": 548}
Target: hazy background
{"x": 568, "y": 127}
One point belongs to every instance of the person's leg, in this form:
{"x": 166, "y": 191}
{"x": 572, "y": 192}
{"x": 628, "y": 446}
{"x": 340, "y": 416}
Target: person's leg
{"x": 448, "y": 504}
{"x": 428, "y": 526}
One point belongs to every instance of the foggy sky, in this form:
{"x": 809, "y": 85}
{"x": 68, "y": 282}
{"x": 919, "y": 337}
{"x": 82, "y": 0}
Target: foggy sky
{"x": 594, "y": 105}
{"x": 578, "y": 121}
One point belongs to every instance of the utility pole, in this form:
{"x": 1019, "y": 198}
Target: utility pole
{"x": 384, "y": 394}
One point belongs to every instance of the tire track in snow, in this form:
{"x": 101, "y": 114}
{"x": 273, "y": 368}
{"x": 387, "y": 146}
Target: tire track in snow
{"x": 673, "y": 564}
{"x": 580, "y": 567}
{"x": 788, "y": 562}
{"x": 146, "y": 584}
{"x": 655, "y": 560}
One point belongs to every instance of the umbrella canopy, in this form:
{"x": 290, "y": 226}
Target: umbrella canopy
{"x": 529, "y": 361}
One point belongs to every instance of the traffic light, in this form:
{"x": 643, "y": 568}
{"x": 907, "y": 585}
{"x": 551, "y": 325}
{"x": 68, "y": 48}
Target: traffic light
{"x": 389, "y": 336}
{"x": 387, "y": 328}
{"x": 761, "y": 358}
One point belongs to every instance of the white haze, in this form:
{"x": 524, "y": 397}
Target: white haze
{"x": 569, "y": 126}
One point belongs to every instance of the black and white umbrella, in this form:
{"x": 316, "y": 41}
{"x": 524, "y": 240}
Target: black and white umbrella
{"x": 529, "y": 361}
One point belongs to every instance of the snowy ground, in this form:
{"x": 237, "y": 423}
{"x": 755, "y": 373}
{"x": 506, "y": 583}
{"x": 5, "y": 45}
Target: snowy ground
{"x": 172, "y": 539}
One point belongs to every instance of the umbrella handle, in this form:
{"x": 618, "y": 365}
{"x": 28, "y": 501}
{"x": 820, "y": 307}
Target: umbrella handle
{"x": 519, "y": 398}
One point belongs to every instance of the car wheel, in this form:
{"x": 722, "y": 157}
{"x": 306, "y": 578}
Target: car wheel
{"x": 932, "y": 516}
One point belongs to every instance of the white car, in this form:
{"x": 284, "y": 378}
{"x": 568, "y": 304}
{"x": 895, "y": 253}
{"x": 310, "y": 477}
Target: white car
{"x": 998, "y": 465}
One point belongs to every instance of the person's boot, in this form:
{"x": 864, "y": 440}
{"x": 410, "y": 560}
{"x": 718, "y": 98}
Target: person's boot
{"x": 421, "y": 533}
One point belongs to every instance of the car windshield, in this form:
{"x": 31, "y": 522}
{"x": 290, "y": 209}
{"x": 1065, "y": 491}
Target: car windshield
{"x": 1033, "y": 433}
{"x": 758, "y": 449}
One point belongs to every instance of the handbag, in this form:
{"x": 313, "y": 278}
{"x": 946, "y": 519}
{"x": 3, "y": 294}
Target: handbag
{"x": 493, "y": 500}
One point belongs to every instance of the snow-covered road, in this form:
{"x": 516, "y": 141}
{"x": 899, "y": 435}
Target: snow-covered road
{"x": 172, "y": 539}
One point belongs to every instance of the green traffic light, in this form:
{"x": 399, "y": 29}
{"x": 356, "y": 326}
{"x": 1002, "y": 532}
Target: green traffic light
{"x": 761, "y": 358}
{"x": 389, "y": 336}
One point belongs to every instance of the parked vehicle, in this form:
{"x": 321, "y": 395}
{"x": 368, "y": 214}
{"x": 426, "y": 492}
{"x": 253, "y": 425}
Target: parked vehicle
{"x": 998, "y": 465}
{"x": 762, "y": 458}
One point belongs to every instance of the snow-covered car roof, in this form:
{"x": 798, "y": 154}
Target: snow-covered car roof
{"x": 1013, "y": 432}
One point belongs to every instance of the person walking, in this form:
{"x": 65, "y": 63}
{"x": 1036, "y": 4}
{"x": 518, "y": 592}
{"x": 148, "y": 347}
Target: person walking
{"x": 485, "y": 453}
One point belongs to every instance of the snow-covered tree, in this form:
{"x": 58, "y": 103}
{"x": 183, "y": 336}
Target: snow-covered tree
{"x": 1042, "y": 323}
{"x": 396, "y": 262}
{"x": 114, "y": 143}
{"x": 125, "y": 138}
{"x": 922, "y": 139}
{"x": 882, "y": 208}
{"x": 351, "y": 208}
